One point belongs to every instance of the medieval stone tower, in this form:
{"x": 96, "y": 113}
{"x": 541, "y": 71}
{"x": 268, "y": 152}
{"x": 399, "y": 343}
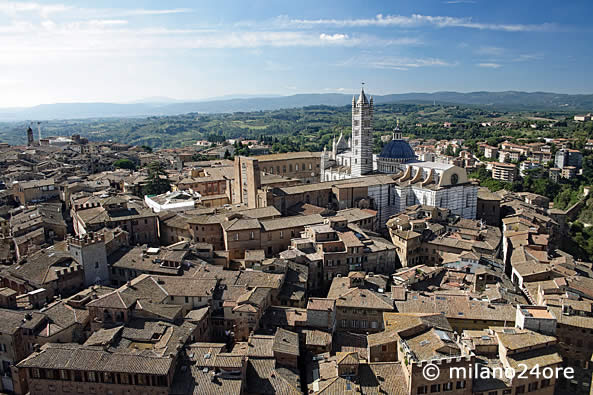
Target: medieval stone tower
{"x": 30, "y": 140}
{"x": 89, "y": 251}
{"x": 362, "y": 136}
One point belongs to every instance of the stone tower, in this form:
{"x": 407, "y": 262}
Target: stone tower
{"x": 30, "y": 140}
{"x": 247, "y": 181}
{"x": 89, "y": 250}
{"x": 362, "y": 135}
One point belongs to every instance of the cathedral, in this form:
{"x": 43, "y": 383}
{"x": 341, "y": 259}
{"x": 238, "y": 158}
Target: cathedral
{"x": 415, "y": 182}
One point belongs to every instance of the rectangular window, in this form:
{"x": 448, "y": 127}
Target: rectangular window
{"x": 448, "y": 386}
{"x": 422, "y": 389}
{"x": 435, "y": 388}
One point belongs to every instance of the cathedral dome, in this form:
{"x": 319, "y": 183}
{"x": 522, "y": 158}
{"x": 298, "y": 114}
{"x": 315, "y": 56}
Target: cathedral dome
{"x": 398, "y": 149}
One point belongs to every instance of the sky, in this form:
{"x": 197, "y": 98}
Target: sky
{"x": 124, "y": 51}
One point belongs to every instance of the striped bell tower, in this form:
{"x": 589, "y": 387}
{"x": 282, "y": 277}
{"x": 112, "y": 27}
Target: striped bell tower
{"x": 362, "y": 135}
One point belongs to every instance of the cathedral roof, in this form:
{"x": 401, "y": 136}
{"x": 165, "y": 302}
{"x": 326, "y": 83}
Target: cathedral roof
{"x": 397, "y": 149}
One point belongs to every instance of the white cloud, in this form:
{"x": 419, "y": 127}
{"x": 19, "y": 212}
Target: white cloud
{"x": 490, "y": 65}
{"x": 333, "y": 37}
{"x": 22, "y": 41}
{"x": 152, "y": 12}
{"x": 492, "y": 56}
{"x": 396, "y": 63}
{"x": 98, "y": 37}
{"x": 525, "y": 57}
{"x": 14, "y": 8}
{"x": 107, "y": 22}
{"x": 413, "y": 21}
{"x": 491, "y": 51}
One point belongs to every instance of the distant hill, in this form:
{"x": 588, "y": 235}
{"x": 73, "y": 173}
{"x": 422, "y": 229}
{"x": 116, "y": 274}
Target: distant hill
{"x": 509, "y": 99}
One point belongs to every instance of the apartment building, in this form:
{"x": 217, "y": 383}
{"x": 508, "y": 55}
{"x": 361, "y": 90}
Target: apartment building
{"x": 504, "y": 171}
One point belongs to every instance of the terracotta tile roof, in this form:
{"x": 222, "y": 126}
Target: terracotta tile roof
{"x": 264, "y": 377}
{"x": 295, "y": 221}
{"x": 116, "y": 300}
{"x": 286, "y": 342}
{"x": 103, "y": 337}
{"x": 71, "y": 356}
{"x": 314, "y": 337}
{"x": 347, "y": 358}
{"x": 456, "y": 307}
{"x": 363, "y": 299}
{"x": 384, "y": 337}
{"x": 260, "y": 346}
{"x": 382, "y": 378}
{"x": 350, "y": 240}
{"x": 520, "y": 340}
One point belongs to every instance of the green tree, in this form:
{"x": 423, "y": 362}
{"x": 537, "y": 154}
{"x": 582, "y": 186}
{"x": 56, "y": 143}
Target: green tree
{"x": 146, "y": 148}
{"x": 567, "y": 197}
{"x": 157, "y": 180}
{"x": 124, "y": 164}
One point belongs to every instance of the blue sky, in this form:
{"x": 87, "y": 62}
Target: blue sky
{"x": 121, "y": 51}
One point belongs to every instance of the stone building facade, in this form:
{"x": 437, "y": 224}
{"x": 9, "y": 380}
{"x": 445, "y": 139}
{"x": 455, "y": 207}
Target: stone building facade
{"x": 90, "y": 252}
